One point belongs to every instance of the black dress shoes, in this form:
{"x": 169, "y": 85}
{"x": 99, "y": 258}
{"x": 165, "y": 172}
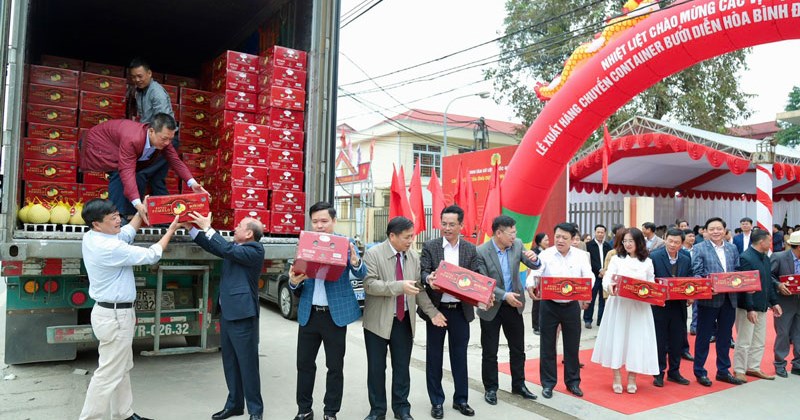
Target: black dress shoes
{"x": 575, "y": 390}
{"x": 137, "y": 417}
{"x": 404, "y": 416}
{"x": 464, "y": 409}
{"x": 658, "y": 381}
{"x": 329, "y": 417}
{"x": 256, "y": 417}
{"x": 680, "y": 380}
{"x": 730, "y": 379}
{"x": 781, "y": 371}
{"x": 227, "y": 412}
{"x": 687, "y": 356}
{"x": 547, "y": 392}
{"x": 437, "y": 411}
{"x": 375, "y": 417}
{"x": 305, "y": 416}
{"x": 490, "y": 397}
{"x": 524, "y": 393}
{"x": 703, "y": 380}
{"x": 795, "y": 371}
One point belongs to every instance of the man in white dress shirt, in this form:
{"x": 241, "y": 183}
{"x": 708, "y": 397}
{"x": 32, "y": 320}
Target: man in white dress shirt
{"x": 561, "y": 260}
{"x": 109, "y": 257}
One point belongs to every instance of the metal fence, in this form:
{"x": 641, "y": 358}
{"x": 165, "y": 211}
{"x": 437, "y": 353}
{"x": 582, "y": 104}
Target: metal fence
{"x": 589, "y": 214}
{"x": 381, "y": 219}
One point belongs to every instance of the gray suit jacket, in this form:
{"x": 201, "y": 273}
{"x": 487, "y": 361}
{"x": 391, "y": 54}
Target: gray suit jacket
{"x": 705, "y": 262}
{"x": 657, "y": 243}
{"x": 382, "y": 289}
{"x": 782, "y": 264}
{"x": 489, "y": 265}
{"x": 433, "y": 254}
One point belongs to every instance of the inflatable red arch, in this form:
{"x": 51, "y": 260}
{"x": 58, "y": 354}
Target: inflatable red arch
{"x": 665, "y": 42}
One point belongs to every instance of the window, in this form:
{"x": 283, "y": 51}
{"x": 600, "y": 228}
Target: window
{"x": 429, "y": 158}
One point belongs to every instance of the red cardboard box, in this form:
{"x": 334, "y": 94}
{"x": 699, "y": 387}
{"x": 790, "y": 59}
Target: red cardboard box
{"x": 643, "y": 291}
{"x": 194, "y": 132}
{"x": 285, "y": 159}
{"x": 181, "y": 81}
{"x": 287, "y": 201}
{"x": 245, "y": 133}
{"x": 49, "y": 171}
{"x": 235, "y": 80}
{"x": 103, "y": 84}
{"x": 52, "y": 95}
{"x": 286, "y": 119}
{"x": 286, "y": 223}
{"x": 223, "y": 220}
{"x": 172, "y": 92}
{"x": 285, "y": 139}
{"x": 197, "y": 163}
{"x": 192, "y": 115}
{"x": 321, "y": 255}
{"x": 249, "y": 176}
{"x": 60, "y": 150}
{"x": 49, "y": 191}
{"x": 62, "y": 62}
{"x": 736, "y": 281}
{"x": 225, "y": 119}
{"x": 282, "y": 77}
{"x": 103, "y": 102}
{"x": 687, "y": 288}
{"x": 249, "y": 154}
{"x": 195, "y": 98}
{"x": 236, "y": 61}
{"x": 565, "y": 288}
{"x": 792, "y": 283}
{"x": 53, "y": 76}
{"x": 284, "y": 57}
{"x": 469, "y": 286}
{"x": 260, "y": 215}
{"x": 104, "y": 69}
{"x": 286, "y": 180}
{"x": 249, "y": 198}
{"x": 197, "y": 147}
{"x": 234, "y": 101}
{"x": 163, "y": 208}
{"x": 92, "y": 191}
{"x": 279, "y": 97}
{"x": 49, "y": 114}
{"x": 52, "y": 132}
{"x": 95, "y": 177}
{"x": 89, "y": 119}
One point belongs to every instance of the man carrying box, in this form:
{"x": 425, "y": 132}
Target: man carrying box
{"x": 561, "y": 260}
{"x": 324, "y": 311}
{"x": 787, "y": 327}
{"x": 455, "y": 314}
{"x": 122, "y": 148}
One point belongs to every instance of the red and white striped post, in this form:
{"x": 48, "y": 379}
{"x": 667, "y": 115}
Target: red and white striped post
{"x": 764, "y": 158}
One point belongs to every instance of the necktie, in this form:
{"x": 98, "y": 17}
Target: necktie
{"x": 401, "y": 300}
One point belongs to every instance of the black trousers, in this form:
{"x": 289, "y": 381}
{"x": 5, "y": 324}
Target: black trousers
{"x": 535, "y": 315}
{"x": 514, "y": 329}
{"x": 457, "y": 331}
{"x": 320, "y": 329}
{"x": 712, "y": 321}
{"x": 597, "y": 297}
{"x": 240, "y": 364}
{"x": 399, "y": 343}
{"x": 670, "y": 324}
{"x": 568, "y": 316}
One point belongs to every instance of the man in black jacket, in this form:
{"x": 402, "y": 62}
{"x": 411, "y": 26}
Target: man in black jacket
{"x": 598, "y": 249}
{"x": 751, "y": 317}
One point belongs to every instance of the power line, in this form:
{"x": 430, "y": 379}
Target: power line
{"x": 352, "y": 11}
{"x": 360, "y": 14}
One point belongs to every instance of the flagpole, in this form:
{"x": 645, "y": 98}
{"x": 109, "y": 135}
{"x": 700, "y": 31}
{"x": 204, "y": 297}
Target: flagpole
{"x": 483, "y": 95}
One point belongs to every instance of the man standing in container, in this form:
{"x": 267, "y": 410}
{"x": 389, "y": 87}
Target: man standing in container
{"x": 109, "y": 257}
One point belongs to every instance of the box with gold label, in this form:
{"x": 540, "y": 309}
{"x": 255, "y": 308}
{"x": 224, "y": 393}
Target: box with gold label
{"x": 92, "y": 191}
{"x": 65, "y": 151}
{"x": 53, "y": 76}
{"x": 565, "y": 288}
{"x": 196, "y": 98}
{"x": 103, "y": 84}
{"x": 49, "y": 170}
{"x": 164, "y": 208}
{"x": 687, "y": 288}
{"x": 52, "y": 132}
{"x": 469, "y": 286}
{"x": 93, "y": 101}
{"x": 736, "y": 281}
{"x": 52, "y": 95}
{"x": 641, "y": 290}
{"x": 49, "y": 114}
{"x": 286, "y": 223}
{"x": 287, "y": 201}
{"x": 792, "y": 283}
{"x": 49, "y": 191}
{"x": 321, "y": 255}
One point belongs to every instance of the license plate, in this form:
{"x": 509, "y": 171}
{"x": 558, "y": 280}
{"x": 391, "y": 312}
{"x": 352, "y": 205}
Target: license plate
{"x": 146, "y": 300}
{"x": 360, "y": 295}
{"x": 148, "y": 330}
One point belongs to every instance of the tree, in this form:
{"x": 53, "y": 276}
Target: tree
{"x": 789, "y": 135}
{"x": 540, "y": 36}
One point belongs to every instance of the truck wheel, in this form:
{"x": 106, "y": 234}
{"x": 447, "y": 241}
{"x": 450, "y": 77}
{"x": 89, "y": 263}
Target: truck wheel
{"x": 287, "y": 302}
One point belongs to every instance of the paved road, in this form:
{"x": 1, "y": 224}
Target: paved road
{"x": 192, "y": 386}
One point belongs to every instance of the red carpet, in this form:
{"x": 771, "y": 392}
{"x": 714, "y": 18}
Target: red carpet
{"x": 596, "y": 380}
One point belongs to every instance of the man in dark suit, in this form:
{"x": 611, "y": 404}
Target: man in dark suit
{"x": 499, "y": 258}
{"x": 457, "y": 314}
{"x": 670, "y": 320}
{"x": 242, "y": 262}
{"x": 718, "y": 313}
{"x": 787, "y": 327}
{"x": 122, "y": 148}
{"x": 598, "y": 249}
{"x": 325, "y": 309}
{"x": 742, "y": 240}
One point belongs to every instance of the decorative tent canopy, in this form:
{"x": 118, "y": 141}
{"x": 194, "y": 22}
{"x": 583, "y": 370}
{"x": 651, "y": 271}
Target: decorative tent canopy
{"x": 659, "y": 158}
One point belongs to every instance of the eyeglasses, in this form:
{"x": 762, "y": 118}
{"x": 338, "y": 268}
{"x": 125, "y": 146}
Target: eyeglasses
{"x": 628, "y": 241}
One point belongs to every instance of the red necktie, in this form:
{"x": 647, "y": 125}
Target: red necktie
{"x": 401, "y": 300}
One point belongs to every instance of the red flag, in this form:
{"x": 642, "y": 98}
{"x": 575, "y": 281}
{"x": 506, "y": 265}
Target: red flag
{"x": 470, "y": 210}
{"x": 371, "y": 149}
{"x": 343, "y": 138}
{"x": 606, "y": 155}
{"x": 460, "y": 194}
{"x": 492, "y": 207}
{"x": 398, "y": 200}
{"x": 437, "y": 196}
{"x": 415, "y": 198}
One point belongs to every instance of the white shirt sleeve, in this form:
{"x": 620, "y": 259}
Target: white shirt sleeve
{"x": 127, "y": 234}
{"x": 124, "y": 254}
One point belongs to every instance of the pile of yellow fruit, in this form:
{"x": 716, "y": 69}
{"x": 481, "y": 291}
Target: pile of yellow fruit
{"x": 61, "y": 213}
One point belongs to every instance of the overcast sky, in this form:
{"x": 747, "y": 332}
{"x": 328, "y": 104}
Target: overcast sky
{"x": 399, "y": 33}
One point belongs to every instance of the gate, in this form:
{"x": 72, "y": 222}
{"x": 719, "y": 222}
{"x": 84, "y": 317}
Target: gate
{"x": 589, "y": 214}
